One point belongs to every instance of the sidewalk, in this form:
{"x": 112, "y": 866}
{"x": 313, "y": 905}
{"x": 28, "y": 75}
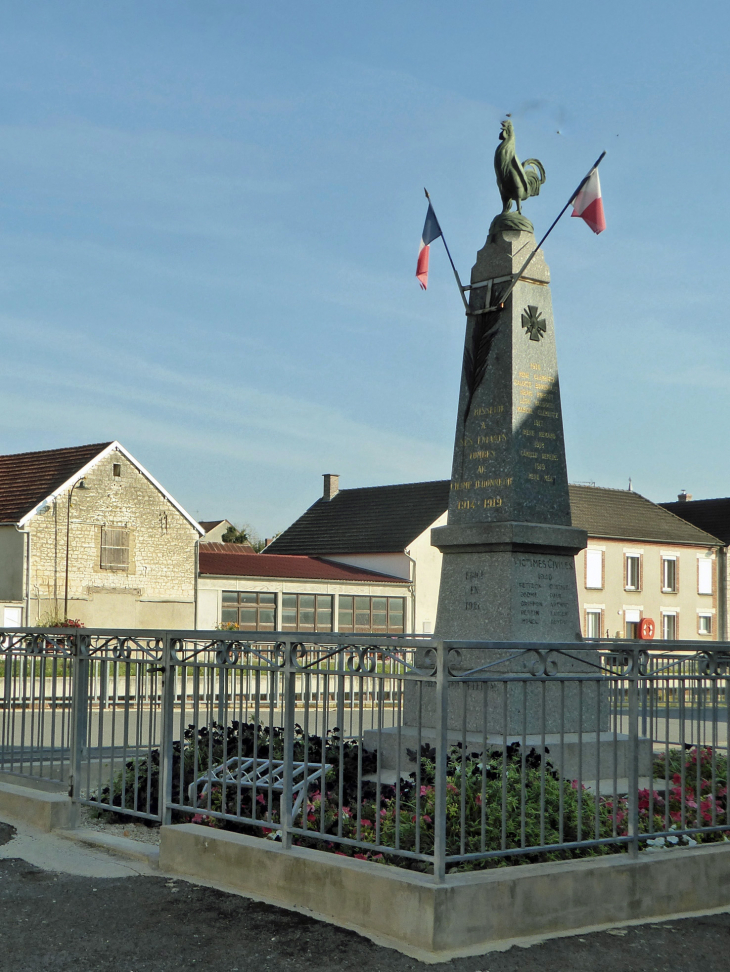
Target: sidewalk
{"x": 68, "y": 908}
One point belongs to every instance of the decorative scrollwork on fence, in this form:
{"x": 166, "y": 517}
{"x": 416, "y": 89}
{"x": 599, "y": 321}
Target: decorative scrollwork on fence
{"x": 121, "y": 648}
{"x": 40, "y": 644}
{"x": 454, "y": 661}
{"x": 542, "y": 662}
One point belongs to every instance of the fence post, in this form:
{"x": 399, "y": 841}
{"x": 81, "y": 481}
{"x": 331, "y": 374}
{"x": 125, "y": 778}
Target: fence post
{"x": 633, "y": 767}
{"x": 168, "y": 706}
{"x": 79, "y": 710}
{"x": 442, "y": 722}
{"x": 285, "y": 808}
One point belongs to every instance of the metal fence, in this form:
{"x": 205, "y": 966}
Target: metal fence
{"x": 415, "y": 752}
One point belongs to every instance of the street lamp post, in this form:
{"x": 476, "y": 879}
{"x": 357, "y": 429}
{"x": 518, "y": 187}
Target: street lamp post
{"x": 81, "y": 485}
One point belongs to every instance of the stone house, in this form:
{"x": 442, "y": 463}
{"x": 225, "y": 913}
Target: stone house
{"x": 276, "y": 592}
{"x": 88, "y": 533}
{"x": 641, "y": 561}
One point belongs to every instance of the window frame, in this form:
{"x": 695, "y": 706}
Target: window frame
{"x": 666, "y": 560}
{"x": 317, "y": 598}
{"x": 593, "y": 612}
{"x": 638, "y": 559}
{"x": 258, "y": 605}
{"x": 710, "y": 562}
{"x": 593, "y": 551}
{"x": 704, "y": 616}
{"x": 665, "y": 616}
{"x": 355, "y": 628}
{"x": 107, "y": 563}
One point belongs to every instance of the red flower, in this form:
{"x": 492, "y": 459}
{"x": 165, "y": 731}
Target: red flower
{"x": 361, "y": 857}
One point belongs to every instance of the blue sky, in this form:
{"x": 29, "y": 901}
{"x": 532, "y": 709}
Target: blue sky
{"x": 210, "y": 214}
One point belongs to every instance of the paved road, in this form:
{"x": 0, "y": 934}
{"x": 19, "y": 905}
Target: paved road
{"x": 61, "y": 922}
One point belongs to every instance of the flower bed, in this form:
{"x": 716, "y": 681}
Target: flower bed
{"x": 493, "y": 803}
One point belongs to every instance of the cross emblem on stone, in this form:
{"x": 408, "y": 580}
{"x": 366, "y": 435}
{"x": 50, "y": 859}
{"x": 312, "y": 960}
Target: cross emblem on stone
{"x": 533, "y": 323}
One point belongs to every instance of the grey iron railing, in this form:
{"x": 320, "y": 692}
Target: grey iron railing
{"x": 426, "y": 754}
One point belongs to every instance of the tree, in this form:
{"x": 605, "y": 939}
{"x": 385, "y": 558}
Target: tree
{"x": 234, "y": 535}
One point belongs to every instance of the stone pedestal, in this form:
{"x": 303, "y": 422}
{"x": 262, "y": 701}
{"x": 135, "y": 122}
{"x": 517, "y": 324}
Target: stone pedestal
{"x": 508, "y": 570}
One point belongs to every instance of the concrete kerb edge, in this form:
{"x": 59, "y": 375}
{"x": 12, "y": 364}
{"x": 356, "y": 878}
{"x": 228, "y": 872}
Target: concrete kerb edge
{"x": 435, "y": 913}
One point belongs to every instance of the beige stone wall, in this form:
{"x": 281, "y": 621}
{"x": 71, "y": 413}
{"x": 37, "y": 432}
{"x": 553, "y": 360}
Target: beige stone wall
{"x": 650, "y": 601}
{"x": 157, "y": 589}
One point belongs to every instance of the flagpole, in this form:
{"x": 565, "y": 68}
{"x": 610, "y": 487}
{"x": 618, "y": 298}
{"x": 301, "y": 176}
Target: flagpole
{"x": 528, "y": 261}
{"x": 448, "y": 254}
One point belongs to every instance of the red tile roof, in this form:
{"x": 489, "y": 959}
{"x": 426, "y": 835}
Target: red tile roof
{"x": 280, "y": 565}
{"x": 216, "y": 546}
{"x": 27, "y": 478}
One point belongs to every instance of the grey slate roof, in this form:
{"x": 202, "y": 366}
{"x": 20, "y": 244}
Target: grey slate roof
{"x": 624, "y": 514}
{"x": 712, "y": 515}
{"x": 374, "y": 519}
{"x": 386, "y": 519}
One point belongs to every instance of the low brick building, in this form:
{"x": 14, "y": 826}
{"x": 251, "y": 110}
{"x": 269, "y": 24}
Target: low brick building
{"x": 88, "y": 533}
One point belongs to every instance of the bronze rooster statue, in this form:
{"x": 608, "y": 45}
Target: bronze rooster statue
{"x": 516, "y": 180}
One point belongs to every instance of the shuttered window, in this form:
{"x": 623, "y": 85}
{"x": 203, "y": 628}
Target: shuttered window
{"x": 704, "y": 577}
{"x": 114, "y": 548}
{"x": 594, "y": 569}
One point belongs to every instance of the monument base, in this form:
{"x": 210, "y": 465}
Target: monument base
{"x": 596, "y": 758}
{"x": 507, "y": 581}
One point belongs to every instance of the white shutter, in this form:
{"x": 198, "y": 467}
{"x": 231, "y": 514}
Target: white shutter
{"x": 704, "y": 577}
{"x": 594, "y": 569}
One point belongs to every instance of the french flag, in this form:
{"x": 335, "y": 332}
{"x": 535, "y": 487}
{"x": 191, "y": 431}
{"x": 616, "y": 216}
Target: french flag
{"x": 431, "y": 232}
{"x": 588, "y": 204}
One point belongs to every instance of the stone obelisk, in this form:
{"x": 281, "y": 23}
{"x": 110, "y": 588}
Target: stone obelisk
{"x": 508, "y": 571}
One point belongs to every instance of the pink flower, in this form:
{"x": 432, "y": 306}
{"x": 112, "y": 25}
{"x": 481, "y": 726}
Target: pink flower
{"x": 426, "y": 818}
{"x": 450, "y": 788}
{"x": 311, "y": 818}
{"x": 366, "y": 823}
{"x": 198, "y": 818}
{"x": 261, "y": 799}
{"x": 425, "y": 790}
{"x": 360, "y": 857}
{"x": 479, "y": 799}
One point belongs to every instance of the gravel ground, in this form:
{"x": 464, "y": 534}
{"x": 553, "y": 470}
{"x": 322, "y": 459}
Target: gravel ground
{"x": 65, "y": 923}
{"x": 89, "y": 820}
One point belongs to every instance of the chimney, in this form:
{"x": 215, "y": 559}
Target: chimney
{"x": 684, "y": 496}
{"x": 331, "y": 486}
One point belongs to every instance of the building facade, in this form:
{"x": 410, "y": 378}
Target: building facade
{"x": 87, "y": 533}
{"x": 271, "y": 592}
{"x": 643, "y": 562}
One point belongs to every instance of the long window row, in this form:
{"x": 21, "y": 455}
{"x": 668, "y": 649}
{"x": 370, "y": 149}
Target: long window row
{"x": 256, "y": 611}
{"x": 668, "y": 628}
{"x": 633, "y": 579}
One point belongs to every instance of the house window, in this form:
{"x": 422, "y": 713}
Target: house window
{"x": 669, "y": 627}
{"x": 594, "y": 569}
{"x": 704, "y": 576}
{"x": 114, "y": 549}
{"x": 251, "y": 611}
{"x": 669, "y": 575}
{"x": 306, "y": 612}
{"x": 116, "y": 469}
{"x": 704, "y": 624}
{"x": 593, "y": 624}
{"x": 633, "y": 572}
{"x": 372, "y": 614}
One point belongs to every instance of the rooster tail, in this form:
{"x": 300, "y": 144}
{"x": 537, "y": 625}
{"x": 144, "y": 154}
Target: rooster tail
{"x": 535, "y": 175}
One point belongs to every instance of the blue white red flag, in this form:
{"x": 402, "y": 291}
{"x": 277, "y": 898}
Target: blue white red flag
{"x": 431, "y": 232}
{"x": 588, "y": 204}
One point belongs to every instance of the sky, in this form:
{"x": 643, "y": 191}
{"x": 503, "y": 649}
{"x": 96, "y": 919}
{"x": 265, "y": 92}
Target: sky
{"x": 210, "y": 216}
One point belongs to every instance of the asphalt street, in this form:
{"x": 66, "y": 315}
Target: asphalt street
{"x": 83, "y": 922}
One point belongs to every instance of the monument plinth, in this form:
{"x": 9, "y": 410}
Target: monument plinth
{"x": 508, "y": 570}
